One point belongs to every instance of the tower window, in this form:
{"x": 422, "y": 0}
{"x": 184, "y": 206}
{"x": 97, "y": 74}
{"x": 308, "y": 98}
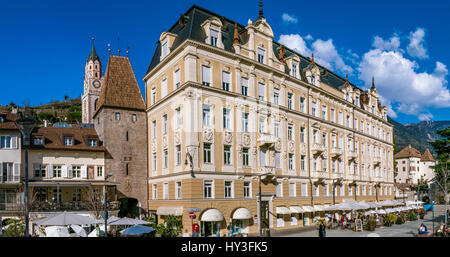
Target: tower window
{"x": 133, "y": 118}
{"x": 126, "y": 168}
{"x": 117, "y": 116}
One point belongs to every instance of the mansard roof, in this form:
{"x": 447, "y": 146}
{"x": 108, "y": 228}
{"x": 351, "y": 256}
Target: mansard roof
{"x": 189, "y": 27}
{"x": 120, "y": 88}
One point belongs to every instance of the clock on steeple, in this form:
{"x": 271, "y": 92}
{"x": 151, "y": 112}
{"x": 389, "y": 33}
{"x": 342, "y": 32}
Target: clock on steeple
{"x": 92, "y": 85}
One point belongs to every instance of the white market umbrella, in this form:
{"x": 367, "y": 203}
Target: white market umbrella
{"x": 65, "y": 219}
{"x": 128, "y": 221}
{"x": 381, "y": 212}
{"x": 57, "y": 231}
{"x": 94, "y": 233}
{"x": 79, "y": 230}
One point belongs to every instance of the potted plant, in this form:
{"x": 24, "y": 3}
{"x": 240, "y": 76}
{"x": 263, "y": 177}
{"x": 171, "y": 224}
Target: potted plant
{"x": 371, "y": 224}
{"x": 412, "y": 216}
{"x": 390, "y": 219}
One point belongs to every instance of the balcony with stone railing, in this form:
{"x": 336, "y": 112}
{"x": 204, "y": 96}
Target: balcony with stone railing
{"x": 266, "y": 140}
{"x": 9, "y": 179}
{"x": 317, "y": 149}
{"x": 336, "y": 152}
{"x": 266, "y": 169}
{"x": 376, "y": 160}
{"x": 352, "y": 155}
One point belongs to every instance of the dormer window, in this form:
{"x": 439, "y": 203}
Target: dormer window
{"x": 313, "y": 79}
{"x": 37, "y": 141}
{"x": 261, "y": 54}
{"x": 164, "y": 50}
{"x": 294, "y": 70}
{"x": 214, "y": 37}
{"x": 92, "y": 142}
{"x": 68, "y": 141}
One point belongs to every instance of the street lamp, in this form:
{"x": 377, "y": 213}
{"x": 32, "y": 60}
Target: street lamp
{"x": 105, "y": 216}
{"x": 338, "y": 182}
{"x": 260, "y": 201}
{"x": 26, "y": 125}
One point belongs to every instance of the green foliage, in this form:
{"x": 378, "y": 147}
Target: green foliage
{"x": 412, "y": 216}
{"x": 74, "y": 116}
{"x": 442, "y": 148}
{"x": 389, "y": 219}
{"x": 47, "y": 116}
{"x": 16, "y": 229}
{"x": 172, "y": 226}
{"x": 75, "y": 108}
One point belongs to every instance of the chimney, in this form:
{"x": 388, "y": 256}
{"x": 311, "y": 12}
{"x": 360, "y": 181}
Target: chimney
{"x": 14, "y": 109}
{"x": 45, "y": 123}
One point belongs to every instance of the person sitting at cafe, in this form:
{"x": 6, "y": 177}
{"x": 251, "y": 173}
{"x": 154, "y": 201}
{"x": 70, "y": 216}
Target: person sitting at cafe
{"x": 423, "y": 229}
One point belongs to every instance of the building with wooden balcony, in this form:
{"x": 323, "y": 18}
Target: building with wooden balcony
{"x": 226, "y": 103}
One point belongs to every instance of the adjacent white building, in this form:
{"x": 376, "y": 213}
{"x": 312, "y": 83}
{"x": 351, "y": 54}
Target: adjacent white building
{"x": 412, "y": 166}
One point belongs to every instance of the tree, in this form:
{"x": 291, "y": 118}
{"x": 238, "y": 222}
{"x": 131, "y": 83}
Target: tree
{"x": 171, "y": 227}
{"x": 94, "y": 202}
{"x": 66, "y": 97}
{"x": 441, "y": 172}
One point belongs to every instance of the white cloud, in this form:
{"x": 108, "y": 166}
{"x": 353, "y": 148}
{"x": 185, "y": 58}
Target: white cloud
{"x": 392, "y": 44}
{"x": 325, "y": 52}
{"x": 289, "y": 18}
{"x": 425, "y": 116}
{"x": 416, "y": 47}
{"x": 309, "y": 37}
{"x": 398, "y": 80}
{"x": 391, "y": 112}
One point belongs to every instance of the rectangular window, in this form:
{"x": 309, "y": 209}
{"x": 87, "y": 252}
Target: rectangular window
{"x": 302, "y": 135}
{"x": 304, "y": 189}
{"x": 292, "y": 190}
{"x": 316, "y": 190}
{"x": 247, "y": 188}
{"x": 206, "y": 76}
{"x": 76, "y": 171}
{"x": 324, "y": 112}
{"x": 340, "y": 118}
{"x": 177, "y": 79}
{"x": 262, "y": 124}
{"x": 117, "y": 116}
{"x": 261, "y": 54}
{"x": 133, "y": 118}
{"x": 289, "y": 101}
{"x": 290, "y": 132}
{"x": 153, "y": 95}
{"x": 57, "y": 171}
{"x": 228, "y": 189}
{"x": 163, "y": 88}
{"x": 244, "y": 86}
{"x": 325, "y": 190}
{"x": 342, "y": 189}
{"x": 178, "y": 192}
{"x": 291, "y": 161}
{"x": 276, "y": 95}
{"x": 276, "y": 128}
{"x": 214, "y": 37}
{"x": 166, "y": 191}
{"x": 226, "y": 81}
{"x": 302, "y": 104}
{"x": 178, "y": 149}
{"x": 206, "y": 115}
{"x": 155, "y": 192}
{"x": 294, "y": 70}
{"x": 164, "y": 49}
{"x": 332, "y": 115}
{"x": 178, "y": 115}
{"x": 37, "y": 141}
{"x": 261, "y": 91}
{"x": 166, "y": 159}
{"x": 99, "y": 171}
{"x": 165, "y": 124}
{"x": 324, "y": 139}
{"x": 68, "y": 141}
{"x": 245, "y": 122}
{"x": 207, "y": 153}
{"x": 154, "y": 162}
{"x": 227, "y": 155}
{"x": 279, "y": 189}
{"x": 245, "y": 156}
{"x": 154, "y": 129}
{"x": 208, "y": 189}
{"x": 226, "y": 119}
{"x": 313, "y": 108}
{"x": 262, "y": 157}
{"x": 302, "y": 162}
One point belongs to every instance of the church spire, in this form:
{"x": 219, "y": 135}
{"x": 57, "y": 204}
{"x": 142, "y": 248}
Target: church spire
{"x": 373, "y": 83}
{"x": 93, "y": 55}
{"x": 261, "y": 14}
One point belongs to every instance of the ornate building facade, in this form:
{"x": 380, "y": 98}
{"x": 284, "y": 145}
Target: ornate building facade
{"x": 227, "y": 105}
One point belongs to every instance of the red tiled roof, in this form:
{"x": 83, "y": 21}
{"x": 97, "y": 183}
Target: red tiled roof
{"x": 408, "y": 152}
{"x": 427, "y": 157}
{"x": 53, "y": 138}
{"x": 8, "y": 122}
{"x": 120, "y": 88}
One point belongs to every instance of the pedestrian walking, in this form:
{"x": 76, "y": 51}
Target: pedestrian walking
{"x": 322, "y": 230}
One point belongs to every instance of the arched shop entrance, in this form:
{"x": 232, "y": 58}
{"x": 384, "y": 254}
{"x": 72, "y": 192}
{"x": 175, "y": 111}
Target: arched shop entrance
{"x": 211, "y": 222}
{"x": 129, "y": 207}
{"x": 241, "y": 220}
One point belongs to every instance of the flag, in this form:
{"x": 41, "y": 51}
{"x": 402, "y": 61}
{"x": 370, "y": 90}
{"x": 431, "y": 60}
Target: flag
{"x": 428, "y": 207}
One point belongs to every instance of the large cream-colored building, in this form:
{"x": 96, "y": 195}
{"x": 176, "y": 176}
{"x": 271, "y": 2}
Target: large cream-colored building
{"x": 242, "y": 105}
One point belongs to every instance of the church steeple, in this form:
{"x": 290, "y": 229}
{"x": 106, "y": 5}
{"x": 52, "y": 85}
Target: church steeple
{"x": 261, "y": 14}
{"x": 93, "y": 55}
{"x": 373, "y": 83}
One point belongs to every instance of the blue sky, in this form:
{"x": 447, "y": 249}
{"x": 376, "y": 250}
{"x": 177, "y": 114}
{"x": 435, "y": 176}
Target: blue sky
{"x": 404, "y": 44}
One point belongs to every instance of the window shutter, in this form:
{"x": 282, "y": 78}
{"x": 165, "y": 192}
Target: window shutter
{"x": 14, "y": 142}
{"x": 177, "y": 76}
{"x": 16, "y": 172}
{"x": 261, "y": 51}
{"x": 206, "y": 74}
{"x": 214, "y": 33}
{"x": 50, "y": 171}
{"x": 164, "y": 88}
{"x": 261, "y": 90}
{"x": 69, "y": 171}
{"x": 84, "y": 171}
{"x": 64, "y": 171}
{"x": 226, "y": 77}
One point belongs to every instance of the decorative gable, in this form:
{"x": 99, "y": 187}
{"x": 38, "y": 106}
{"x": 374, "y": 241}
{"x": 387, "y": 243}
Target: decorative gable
{"x": 213, "y": 30}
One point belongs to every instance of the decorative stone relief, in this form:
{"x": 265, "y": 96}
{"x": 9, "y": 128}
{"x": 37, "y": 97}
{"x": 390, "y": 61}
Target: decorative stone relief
{"x": 164, "y": 142}
{"x": 278, "y": 145}
{"x": 154, "y": 145}
{"x": 291, "y": 146}
{"x": 208, "y": 135}
{"x": 228, "y": 137}
{"x": 246, "y": 139}
{"x": 177, "y": 138}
